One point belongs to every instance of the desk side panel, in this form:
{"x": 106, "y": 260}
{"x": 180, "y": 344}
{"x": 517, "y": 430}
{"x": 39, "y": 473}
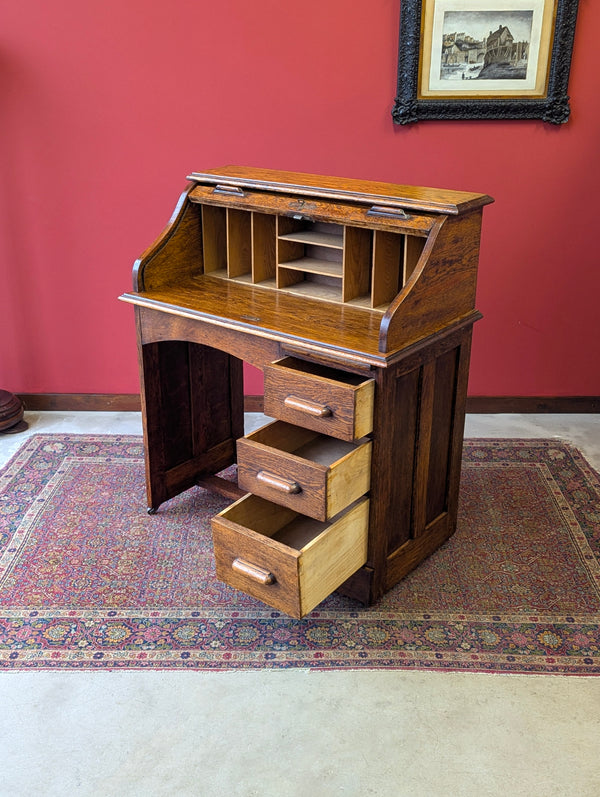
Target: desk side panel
{"x": 176, "y": 255}
{"x": 441, "y": 290}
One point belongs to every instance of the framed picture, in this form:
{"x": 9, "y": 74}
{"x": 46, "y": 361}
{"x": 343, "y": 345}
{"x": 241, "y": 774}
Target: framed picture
{"x": 484, "y": 59}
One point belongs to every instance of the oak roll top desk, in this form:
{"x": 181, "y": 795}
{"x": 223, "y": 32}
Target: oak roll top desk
{"x": 357, "y": 301}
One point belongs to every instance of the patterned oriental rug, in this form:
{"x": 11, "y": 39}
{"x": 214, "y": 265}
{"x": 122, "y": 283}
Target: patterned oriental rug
{"x": 89, "y": 580}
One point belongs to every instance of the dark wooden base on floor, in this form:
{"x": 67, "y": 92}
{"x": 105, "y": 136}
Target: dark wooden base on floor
{"x": 130, "y": 402}
{"x": 532, "y": 404}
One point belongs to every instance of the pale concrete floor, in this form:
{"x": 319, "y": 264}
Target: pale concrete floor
{"x": 296, "y": 733}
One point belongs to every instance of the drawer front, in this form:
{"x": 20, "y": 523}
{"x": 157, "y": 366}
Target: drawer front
{"x": 332, "y": 402}
{"x": 284, "y": 559}
{"x": 314, "y": 474}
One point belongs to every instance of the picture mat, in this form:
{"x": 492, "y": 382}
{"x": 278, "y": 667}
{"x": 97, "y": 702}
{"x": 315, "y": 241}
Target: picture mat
{"x": 534, "y": 85}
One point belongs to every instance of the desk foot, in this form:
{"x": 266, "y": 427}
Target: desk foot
{"x": 152, "y": 510}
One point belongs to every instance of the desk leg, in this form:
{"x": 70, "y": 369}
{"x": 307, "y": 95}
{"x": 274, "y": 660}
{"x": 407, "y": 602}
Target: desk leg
{"x": 193, "y": 413}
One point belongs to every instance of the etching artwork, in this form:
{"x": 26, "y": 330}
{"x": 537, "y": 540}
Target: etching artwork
{"x": 485, "y": 45}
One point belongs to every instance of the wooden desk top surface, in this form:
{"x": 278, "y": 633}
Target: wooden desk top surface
{"x": 272, "y": 314}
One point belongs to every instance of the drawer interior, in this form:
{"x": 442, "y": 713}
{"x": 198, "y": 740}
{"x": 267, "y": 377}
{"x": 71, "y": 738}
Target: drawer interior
{"x": 283, "y": 525}
{"x": 304, "y": 443}
{"x": 322, "y": 371}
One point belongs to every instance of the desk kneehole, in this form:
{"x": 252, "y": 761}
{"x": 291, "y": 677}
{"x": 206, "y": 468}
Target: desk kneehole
{"x": 285, "y": 559}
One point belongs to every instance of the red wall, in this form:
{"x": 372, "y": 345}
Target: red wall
{"x": 108, "y": 104}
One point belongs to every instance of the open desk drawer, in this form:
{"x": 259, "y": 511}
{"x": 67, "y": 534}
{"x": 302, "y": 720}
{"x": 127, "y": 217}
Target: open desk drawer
{"x": 312, "y": 473}
{"x": 284, "y": 559}
{"x": 327, "y": 400}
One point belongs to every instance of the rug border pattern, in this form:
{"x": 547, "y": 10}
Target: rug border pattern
{"x": 77, "y": 639}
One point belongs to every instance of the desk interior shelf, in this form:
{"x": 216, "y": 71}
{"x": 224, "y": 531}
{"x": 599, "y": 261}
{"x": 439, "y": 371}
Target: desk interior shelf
{"x": 323, "y": 260}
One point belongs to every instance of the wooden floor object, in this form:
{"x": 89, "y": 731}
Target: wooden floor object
{"x": 11, "y": 413}
{"x": 357, "y": 301}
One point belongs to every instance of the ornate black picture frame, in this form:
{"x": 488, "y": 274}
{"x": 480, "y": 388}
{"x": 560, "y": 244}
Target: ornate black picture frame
{"x": 432, "y": 56}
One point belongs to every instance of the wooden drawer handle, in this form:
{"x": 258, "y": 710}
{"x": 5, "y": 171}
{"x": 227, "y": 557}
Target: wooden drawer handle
{"x": 308, "y": 407}
{"x": 253, "y": 572}
{"x": 278, "y": 483}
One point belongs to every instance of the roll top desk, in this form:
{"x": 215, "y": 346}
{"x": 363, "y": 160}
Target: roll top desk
{"x": 357, "y": 301}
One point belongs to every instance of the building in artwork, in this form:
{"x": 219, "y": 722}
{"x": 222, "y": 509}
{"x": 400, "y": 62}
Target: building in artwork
{"x": 458, "y": 48}
{"x": 501, "y": 48}
{"x": 497, "y": 48}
